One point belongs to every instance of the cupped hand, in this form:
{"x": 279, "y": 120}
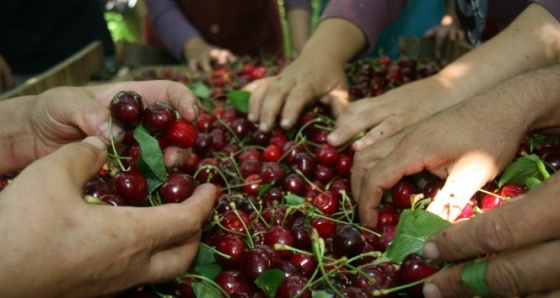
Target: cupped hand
{"x": 388, "y": 114}
{"x": 285, "y": 95}
{"x": 63, "y": 115}
{"x": 69, "y": 248}
{"x": 453, "y": 144}
{"x": 199, "y": 54}
{"x": 523, "y": 239}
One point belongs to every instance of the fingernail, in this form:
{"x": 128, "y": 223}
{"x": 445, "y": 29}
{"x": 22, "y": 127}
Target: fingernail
{"x": 95, "y": 141}
{"x": 263, "y": 127}
{"x": 431, "y": 250}
{"x": 358, "y": 145}
{"x": 178, "y": 159}
{"x": 195, "y": 110}
{"x": 103, "y": 129}
{"x": 285, "y": 123}
{"x": 251, "y": 117}
{"x": 332, "y": 138}
{"x": 431, "y": 291}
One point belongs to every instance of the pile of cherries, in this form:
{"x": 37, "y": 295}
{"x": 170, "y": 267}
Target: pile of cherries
{"x": 284, "y": 200}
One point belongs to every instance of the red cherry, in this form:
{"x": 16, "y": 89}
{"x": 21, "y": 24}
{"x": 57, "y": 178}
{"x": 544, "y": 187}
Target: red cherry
{"x": 272, "y": 153}
{"x": 326, "y": 202}
{"x": 414, "y": 268}
{"x": 182, "y": 134}
{"x": 158, "y": 117}
{"x": 126, "y": 109}
{"x": 402, "y": 193}
{"x": 132, "y": 187}
{"x": 177, "y": 188}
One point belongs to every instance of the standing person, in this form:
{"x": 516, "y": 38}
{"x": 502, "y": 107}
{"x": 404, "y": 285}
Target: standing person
{"x": 53, "y": 243}
{"x": 204, "y": 31}
{"x": 36, "y": 35}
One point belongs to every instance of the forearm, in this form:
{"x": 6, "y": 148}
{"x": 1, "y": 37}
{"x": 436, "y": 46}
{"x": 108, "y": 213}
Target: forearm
{"x": 336, "y": 40}
{"x": 530, "y": 42}
{"x": 299, "y": 23}
{"x": 16, "y": 136}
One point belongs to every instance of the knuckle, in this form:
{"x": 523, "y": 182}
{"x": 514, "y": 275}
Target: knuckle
{"x": 495, "y": 233}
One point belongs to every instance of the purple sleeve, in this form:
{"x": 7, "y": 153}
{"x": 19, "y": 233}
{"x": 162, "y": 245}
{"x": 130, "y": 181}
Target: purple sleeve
{"x": 371, "y": 16}
{"x": 302, "y": 4}
{"x": 553, "y": 6}
{"x": 171, "y": 25}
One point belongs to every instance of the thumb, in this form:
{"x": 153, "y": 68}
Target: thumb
{"x": 80, "y": 160}
{"x": 468, "y": 175}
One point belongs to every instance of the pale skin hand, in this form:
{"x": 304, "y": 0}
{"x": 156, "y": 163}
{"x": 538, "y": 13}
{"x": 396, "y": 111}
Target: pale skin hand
{"x": 450, "y": 27}
{"x": 523, "y": 235}
{"x": 84, "y": 250}
{"x": 531, "y": 42}
{"x": 469, "y": 143}
{"x": 199, "y": 54}
{"x": 6, "y": 80}
{"x": 68, "y": 114}
{"x": 318, "y": 73}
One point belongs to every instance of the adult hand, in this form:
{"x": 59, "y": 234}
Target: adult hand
{"x": 69, "y": 248}
{"x": 388, "y": 114}
{"x": 199, "y": 54}
{"x": 306, "y": 79}
{"x": 452, "y": 144}
{"x": 442, "y": 32}
{"x": 6, "y": 80}
{"x": 523, "y": 237}
{"x": 63, "y": 115}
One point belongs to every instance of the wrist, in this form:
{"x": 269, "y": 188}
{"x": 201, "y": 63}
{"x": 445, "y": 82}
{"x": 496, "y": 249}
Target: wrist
{"x": 16, "y": 139}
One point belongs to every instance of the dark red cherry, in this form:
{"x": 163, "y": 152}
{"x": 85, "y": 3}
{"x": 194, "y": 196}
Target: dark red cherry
{"x": 132, "y": 187}
{"x": 158, "y": 117}
{"x": 126, "y": 109}
{"x": 177, "y": 188}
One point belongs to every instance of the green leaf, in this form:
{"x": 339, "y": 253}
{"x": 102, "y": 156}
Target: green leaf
{"x": 150, "y": 154}
{"x": 264, "y": 188}
{"x": 382, "y": 259}
{"x": 239, "y": 100}
{"x": 415, "y": 226}
{"x": 204, "y": 256}
{"x": 320, "y": 294}
{"x": 540, "y": 139}
{"x": 474, "y": 276}
{"x": 519, "y": 170}
{"x": 269, "y": 280}
{"x": 293, "y": 200}
{"x": 153, "y": 181}
{"x": 210, "y": 270}
{"x": 204, "y": 289}
{"x": 200, "y": 89}
{"x": 532, "y": 182}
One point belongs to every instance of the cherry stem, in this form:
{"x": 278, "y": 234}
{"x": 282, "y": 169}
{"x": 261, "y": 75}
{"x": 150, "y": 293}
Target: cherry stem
{"x": 93, "y": 200}
{"x": 217, "y": 221}
{"x": 299, "y": 143}
{"x": 247, "y": 232}
{"x": 307, "y": 180}
{"x": 318, "y": 247}
{"x": 383, "y": 292}
{"x": 542, "y": 169}
{"x": 113, "y": 144}
{"x": 230, "y": 130}
{"x": 279, "y": 246}
{"x": 223, "y": 255}
{"x": 343, "y": 222}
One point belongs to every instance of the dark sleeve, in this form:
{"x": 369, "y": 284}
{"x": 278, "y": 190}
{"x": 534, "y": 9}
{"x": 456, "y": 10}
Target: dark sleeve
{"x": 553, "y": 6}
{"x": 301, "y": 4}
{"x": 371, "y": 16}
{"x": 171, "y": 25}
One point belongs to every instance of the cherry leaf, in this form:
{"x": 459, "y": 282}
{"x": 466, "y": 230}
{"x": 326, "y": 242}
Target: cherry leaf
{"x": 204, "y": 256}
{"x": 239, "y": 100}
{"x": 200, "y": 89}
{"x": 521, "y": 169}
{"x": 414, "y": 227}
{"x": 209, "y": 271}
{"x": 269, "y": 280}
{"x": 474, "y": 276}
{"x": 320, "y": 294}
{"x": 293, "y": 200}
{"x": 264, "y": 188}
{"x": 150, "y": 162}
{"x": 206, "y": 290}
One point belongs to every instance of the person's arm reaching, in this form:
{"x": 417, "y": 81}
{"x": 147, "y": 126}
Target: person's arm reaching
{"x": 298, "y": 16}
{"x": 531, "y": 41}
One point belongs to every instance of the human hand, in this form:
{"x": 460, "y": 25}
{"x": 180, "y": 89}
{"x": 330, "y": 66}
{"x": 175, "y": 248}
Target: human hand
{"x": 305, "y": 79}
{"x": 522, "y": 237}
{"x": 199, "y": 54}
{"x": 442, "y": 32}
{"x": 69, "y": 248}
{"x": 6, "y": 80}
{"x": 388, "y": 114}
{"x": 63, "y": 115}
{"x": 467, "y": 150}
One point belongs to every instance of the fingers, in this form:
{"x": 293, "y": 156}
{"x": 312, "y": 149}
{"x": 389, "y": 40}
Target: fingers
{"x": 79, "y": 161}
{"x": 296, "y": 100}
{"x": 513, "y": 225}
{"x": 170, "y": 224}
{"x": 174, "y": 156}
{"x": 338, "y": 100}
{"x": 530, "y": 270}
{"x": 258, "y": 90}
{"x": 358, "y": 117}
{"x": 383, "y": 130}
{"x": 173, "y": 261}
{"x": 276, "y": 94}
{"x": 469, "y": 173}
